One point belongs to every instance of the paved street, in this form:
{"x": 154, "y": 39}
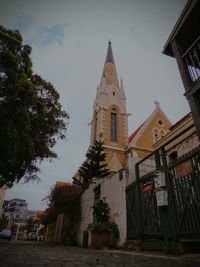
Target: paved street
{"x": 32, "y": 254}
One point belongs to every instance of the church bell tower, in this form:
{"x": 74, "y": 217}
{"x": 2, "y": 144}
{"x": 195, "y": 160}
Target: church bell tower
{"x": 109, "y": 115}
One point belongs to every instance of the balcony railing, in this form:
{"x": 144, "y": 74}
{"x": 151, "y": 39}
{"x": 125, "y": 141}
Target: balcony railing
{"x": 192, "y": 60}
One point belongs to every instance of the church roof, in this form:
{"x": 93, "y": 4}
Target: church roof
{"x": 109, "y": 56}
{"x": 131, "y": 137}
{"x": 62, "y": 184}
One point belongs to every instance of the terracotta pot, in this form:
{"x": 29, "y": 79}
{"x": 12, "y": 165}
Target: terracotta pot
{"x": 100, "y": 240}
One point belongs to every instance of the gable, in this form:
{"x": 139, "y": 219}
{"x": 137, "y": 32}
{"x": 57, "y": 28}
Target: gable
{"x": 156, "y": 126}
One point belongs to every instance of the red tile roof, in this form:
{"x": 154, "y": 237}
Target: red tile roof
{"x": 135, "y": 132}
{"x": 62, "y": 184}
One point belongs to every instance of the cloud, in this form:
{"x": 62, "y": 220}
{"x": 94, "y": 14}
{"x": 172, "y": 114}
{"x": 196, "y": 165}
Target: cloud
{"x": 24, "y": 22}
{"x": 40, "y": 35}
{"x": 49, "y": 35}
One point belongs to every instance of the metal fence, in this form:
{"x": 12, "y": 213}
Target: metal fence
{"x": 168, "y": 211}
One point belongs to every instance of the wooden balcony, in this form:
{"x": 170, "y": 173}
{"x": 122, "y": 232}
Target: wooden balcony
{"x": 192, "y": 60}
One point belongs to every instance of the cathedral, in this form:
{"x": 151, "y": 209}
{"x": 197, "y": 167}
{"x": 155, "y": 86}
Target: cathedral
{"x": 110, "y": 121}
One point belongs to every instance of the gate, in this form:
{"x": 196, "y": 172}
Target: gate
{"x": 179, "y": 218}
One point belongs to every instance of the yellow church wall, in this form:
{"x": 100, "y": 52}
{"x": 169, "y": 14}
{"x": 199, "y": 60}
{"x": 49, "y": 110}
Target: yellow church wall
{"x": 141, "y": 152}
{"x": 120, "y": 155}
{"x": 146, "y": 139}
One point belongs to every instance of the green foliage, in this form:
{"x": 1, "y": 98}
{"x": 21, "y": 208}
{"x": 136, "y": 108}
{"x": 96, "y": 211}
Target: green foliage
{"x": 3, "y": 221}
{"x": 101, "y": 217}
{"x": 101, "y": 211}
{"x": 50, "y": 215}
{"x": 64, "y": 199}
{"x": 94, "y": 166}
{"x": 31, "y": 117}
{"x": 29, "y": 225}
{"x": 99, "y": 227}
{"x": 102, "y": 223}
{"x": 6, "y": 37}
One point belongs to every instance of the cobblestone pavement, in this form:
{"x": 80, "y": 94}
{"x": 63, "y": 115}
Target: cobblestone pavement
{"x": 34, "y": 254}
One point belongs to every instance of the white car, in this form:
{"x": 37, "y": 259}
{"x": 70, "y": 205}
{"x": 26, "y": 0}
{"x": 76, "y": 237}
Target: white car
{"x": 6, "y": 234}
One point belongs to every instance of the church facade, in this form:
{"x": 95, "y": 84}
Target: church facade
{"x": 110, "y": 122}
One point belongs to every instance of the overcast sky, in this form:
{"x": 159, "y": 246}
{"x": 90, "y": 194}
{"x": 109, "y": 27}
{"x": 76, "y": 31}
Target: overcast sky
{"x": 69, "y": 42}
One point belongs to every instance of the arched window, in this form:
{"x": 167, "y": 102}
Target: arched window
{"x": 156, "y": 135}
{"x": 113, "y": 126}
{"x": 162, "y": 133}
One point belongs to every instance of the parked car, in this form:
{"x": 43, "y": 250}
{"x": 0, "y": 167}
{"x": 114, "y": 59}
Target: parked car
{"x": 6, "y": 234}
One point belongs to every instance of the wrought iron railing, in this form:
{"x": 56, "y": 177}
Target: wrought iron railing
{"x": 192, "y": 60}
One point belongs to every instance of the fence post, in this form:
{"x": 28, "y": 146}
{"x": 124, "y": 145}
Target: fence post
{"x": 168, "y": 213}
{"x": 139, "y": 197}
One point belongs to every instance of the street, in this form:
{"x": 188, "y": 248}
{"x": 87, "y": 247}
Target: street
{"x": 32, "y": 254}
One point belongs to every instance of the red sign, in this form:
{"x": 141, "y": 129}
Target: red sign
{"x": 147, "y": 184}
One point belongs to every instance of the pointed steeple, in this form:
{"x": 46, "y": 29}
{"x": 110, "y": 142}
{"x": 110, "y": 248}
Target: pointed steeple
{"x": 109, "y": 115}
{"x": 109, "y": 75}
{"x": 109, "y": 56}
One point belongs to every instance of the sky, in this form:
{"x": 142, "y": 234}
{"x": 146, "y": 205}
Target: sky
{"x": 69, "y": 40}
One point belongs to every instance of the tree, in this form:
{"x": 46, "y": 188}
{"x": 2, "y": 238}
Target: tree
{"x": 64, "y": 198}
{"x": 3, "y": 221}
{"x": 31, "y": 117}
{"x": 29, "y": 225}
{"x": 94, "y": 165}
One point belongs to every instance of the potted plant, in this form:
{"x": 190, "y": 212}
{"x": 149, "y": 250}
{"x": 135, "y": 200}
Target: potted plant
{"x": 101, "y": 228}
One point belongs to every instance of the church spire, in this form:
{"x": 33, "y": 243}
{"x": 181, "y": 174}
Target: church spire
{"x": 109, "y": 76}
{"x": 110, "y": 116}
{"x": 109, "y": 56}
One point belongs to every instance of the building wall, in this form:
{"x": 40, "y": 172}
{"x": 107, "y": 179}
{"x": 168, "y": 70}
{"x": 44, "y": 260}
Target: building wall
{"x": 186, "y": 145}
{"x": 17, "y": 208}
{"x": 113, "y": 189}
{"x": 147, "y": 138}
{"x": 2, "y": 196}
{"x": 146, "y": 167}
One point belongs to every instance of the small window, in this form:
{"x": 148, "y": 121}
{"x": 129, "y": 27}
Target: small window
{"x": 113, "y": 93}
{"x": 120, "y": 174}
{"x": 162, "y": 133}
{"x": 156, "y": 135}
{"x": 97, "y": 194}
{"x": 160, "y": 123}
{"x": 173, "y": 155}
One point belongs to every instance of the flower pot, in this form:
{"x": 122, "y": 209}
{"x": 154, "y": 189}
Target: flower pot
{"x": 100, "y": 240}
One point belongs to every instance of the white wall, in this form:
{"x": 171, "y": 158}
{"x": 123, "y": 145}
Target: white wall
{"x": 145, "y": 167}
{"x": 188, "y": 144}
{"x": 113, "y": 189}
{"x": 87, "y": 200}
